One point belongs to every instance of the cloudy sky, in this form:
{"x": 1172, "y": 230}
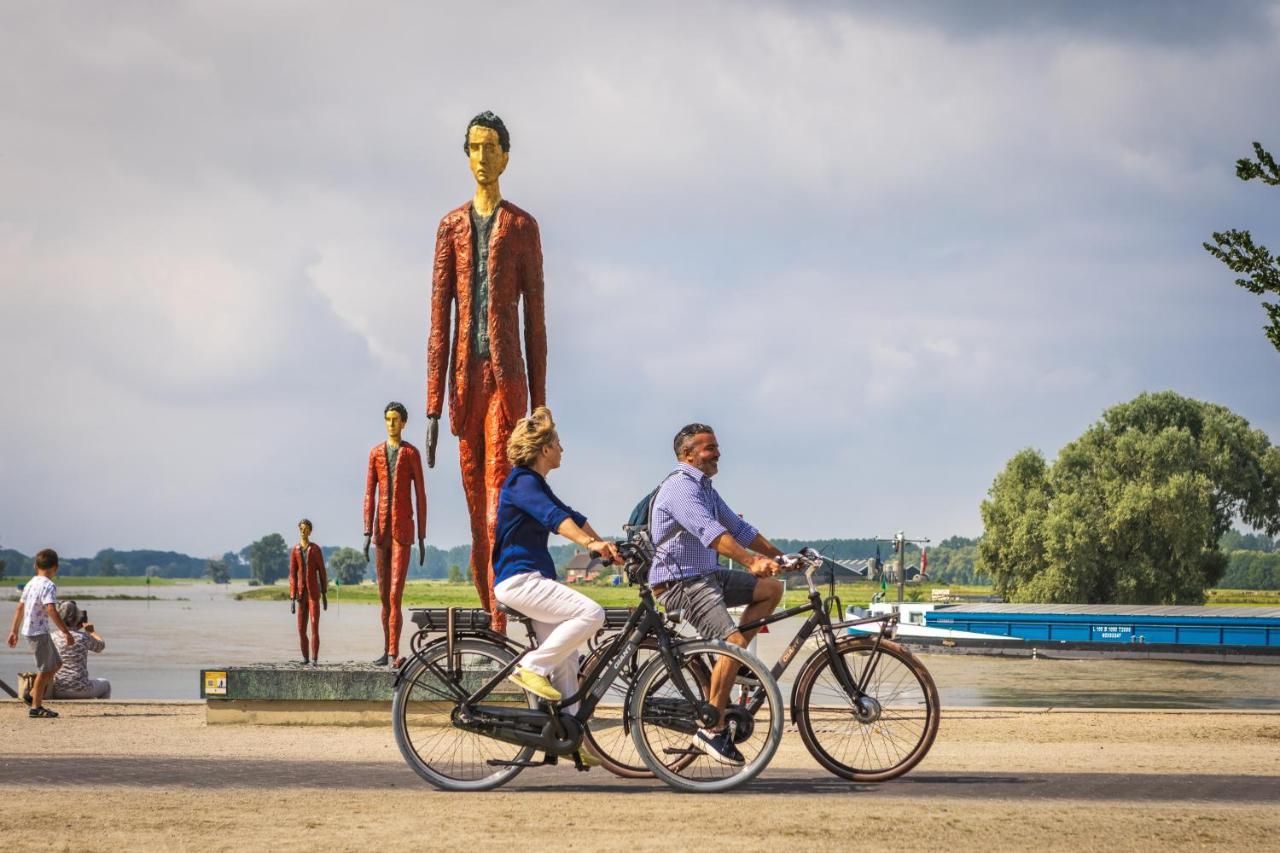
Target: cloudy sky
{"x": 880, "y": 249}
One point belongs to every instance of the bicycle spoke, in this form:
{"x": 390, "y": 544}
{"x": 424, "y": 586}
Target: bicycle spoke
{"x": 894, "y": 733}
{"x": 438, "y": 750}
{"x": 667, "y": 722}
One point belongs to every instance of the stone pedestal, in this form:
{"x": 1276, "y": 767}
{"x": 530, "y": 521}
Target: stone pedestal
{"x": 292, "y": 694}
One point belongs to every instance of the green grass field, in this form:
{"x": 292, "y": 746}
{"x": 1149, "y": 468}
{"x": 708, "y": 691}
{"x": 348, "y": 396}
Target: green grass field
{"x": 445, "y": 594}
{"x": 1244, "y": 597}
{"x": 91, "y": 580}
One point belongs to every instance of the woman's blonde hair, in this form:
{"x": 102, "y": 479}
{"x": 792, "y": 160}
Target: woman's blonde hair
{"x": 530, "y": 436}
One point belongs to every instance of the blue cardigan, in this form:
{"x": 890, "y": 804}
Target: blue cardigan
{"x": 528, "y": 513}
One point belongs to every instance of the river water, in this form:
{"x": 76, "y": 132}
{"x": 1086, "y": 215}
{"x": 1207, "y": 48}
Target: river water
{"x": 156, "y": 649}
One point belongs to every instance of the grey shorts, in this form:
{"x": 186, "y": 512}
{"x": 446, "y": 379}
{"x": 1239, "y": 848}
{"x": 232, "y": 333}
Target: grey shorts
{"x": 47, "y": 657}
{"x": 705, "y": 600}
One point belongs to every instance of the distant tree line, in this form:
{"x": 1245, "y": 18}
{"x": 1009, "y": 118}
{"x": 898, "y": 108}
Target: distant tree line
{"x": 1252, "y": 561}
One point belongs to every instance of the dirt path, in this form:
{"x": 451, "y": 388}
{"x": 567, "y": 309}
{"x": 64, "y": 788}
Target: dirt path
{"x": 121, "y": 776}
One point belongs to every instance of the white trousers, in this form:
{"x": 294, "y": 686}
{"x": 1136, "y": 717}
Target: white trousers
{"x": 563, "y": 619}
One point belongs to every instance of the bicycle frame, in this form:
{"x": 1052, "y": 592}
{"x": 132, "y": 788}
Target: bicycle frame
{"x": 820, "y": 619}
{"x": 554, "y": 736}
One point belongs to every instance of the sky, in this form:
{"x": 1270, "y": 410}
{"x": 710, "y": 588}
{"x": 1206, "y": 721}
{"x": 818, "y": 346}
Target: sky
{"x": 880, "y": 247}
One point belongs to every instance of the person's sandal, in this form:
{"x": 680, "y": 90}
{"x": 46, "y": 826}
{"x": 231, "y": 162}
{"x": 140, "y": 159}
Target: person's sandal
{"x": 26, "y": 698}
{"x": 42, "y": 712}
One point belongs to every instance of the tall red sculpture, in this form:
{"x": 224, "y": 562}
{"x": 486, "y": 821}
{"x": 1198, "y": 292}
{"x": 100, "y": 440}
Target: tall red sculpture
{"x": 308, "y": 590}
{"x": 488, "y": 260}
{"x": 395, "y": 468}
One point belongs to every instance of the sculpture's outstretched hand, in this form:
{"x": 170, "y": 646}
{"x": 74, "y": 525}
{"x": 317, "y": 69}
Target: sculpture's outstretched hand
{"x": 293, "y": 605}
{"x": 324, "y": 599}
{"x": 433, "y": 433}
{"x": 422, "y": 551}
{"x": 367, "y": 538}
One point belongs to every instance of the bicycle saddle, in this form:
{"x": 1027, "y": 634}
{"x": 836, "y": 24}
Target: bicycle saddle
{"x": 513, "y": 613}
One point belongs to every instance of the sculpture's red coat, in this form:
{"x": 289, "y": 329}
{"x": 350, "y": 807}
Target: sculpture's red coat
{"x": 477, "y": 385}
{"x": 515, "y": 273}
{"x": 395, "y": 512}
{"x": 309, "y": 579}
{"x": 307, "y": 583}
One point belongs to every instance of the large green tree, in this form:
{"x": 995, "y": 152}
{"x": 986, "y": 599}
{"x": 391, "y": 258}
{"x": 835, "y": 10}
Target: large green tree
{"x": 1259, "y": 271}
{"x": 348, "y": 566}
{"x": 1132, "y": 511}
{"x": 217, "y": 571}
{"x": 269, "y": 558}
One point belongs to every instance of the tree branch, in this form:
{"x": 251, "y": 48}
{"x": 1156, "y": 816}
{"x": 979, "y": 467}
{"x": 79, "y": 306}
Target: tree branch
{"x": 1264, "y": 168}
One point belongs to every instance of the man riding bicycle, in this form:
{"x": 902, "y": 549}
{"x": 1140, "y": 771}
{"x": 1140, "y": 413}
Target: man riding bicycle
{"x": 691, "y": 525}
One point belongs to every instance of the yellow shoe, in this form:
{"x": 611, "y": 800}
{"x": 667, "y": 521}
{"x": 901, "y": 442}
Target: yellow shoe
{"x": 589, "y": 758}
{"x": 536, "y": 684}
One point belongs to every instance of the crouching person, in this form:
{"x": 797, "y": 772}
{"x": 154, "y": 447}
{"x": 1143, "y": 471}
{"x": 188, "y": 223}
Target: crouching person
{"x": 72, "y": 681}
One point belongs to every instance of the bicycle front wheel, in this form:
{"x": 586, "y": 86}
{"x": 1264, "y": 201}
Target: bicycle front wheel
{"x": 664, "y": 723}
{"x": 430, "y": 689}
{"x": 608, "y": 732}
{"x": 880, "y": 737}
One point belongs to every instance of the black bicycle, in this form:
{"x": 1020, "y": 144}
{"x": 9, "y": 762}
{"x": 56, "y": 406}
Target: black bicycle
{"x": 463, "y": 727}
{"x": 866, "y": 707}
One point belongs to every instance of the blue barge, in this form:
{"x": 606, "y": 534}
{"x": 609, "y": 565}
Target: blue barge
{"x": 1227, "y": 634}
{"x": 1115, "y": 623}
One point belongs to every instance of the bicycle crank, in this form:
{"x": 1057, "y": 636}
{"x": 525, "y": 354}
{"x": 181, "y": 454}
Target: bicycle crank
{"x": 740, "y": 722}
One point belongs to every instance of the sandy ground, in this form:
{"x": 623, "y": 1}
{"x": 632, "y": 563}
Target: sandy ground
{"x": 114, "y": 776}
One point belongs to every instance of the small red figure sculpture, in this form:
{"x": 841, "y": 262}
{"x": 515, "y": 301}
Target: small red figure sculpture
{"x": 309, "y": 587}
{"x": 394, "y": 468}
{"x": 488, "y": 259}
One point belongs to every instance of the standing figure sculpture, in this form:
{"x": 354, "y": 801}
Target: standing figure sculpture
{"x": 488, "y": 259}
{"x": 394, "y": 468}
{"x": 308, "y": 587}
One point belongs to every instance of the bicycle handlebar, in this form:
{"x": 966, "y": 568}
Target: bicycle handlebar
{"x": 810, "y": 559}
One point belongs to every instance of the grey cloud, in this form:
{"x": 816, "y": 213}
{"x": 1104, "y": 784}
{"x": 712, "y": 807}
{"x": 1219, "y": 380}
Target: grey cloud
{"x": 1175, "y": 22}
{"x": 879, "y": 253}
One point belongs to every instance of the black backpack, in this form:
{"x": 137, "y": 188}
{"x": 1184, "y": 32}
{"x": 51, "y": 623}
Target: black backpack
{"x": 639, "y": 535}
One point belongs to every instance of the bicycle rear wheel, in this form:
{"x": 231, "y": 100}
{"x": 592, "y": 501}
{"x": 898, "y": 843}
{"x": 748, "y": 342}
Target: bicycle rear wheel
{"x": 608, "y": 732}
{"x": 664, "y": 722}
{"x": 421, "y": 714}
{"x": 878, "y": 739}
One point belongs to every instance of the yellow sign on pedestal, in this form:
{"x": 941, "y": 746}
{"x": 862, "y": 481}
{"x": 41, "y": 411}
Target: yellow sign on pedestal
{"x": 215, "y": 683}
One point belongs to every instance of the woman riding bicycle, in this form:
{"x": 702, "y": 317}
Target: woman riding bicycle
{"x": 524, "y": 574}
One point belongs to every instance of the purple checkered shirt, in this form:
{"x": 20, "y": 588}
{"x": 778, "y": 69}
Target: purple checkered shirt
{"x": 688, "y": 499}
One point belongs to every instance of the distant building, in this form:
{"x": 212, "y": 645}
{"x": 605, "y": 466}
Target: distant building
{"x": 583, "y": 567}
{"x": 846, "y": 571}
{"x": 891, "y": 573}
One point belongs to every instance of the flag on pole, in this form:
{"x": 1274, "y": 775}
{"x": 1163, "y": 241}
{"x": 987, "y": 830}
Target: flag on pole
{"x": 924, "y": 560}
